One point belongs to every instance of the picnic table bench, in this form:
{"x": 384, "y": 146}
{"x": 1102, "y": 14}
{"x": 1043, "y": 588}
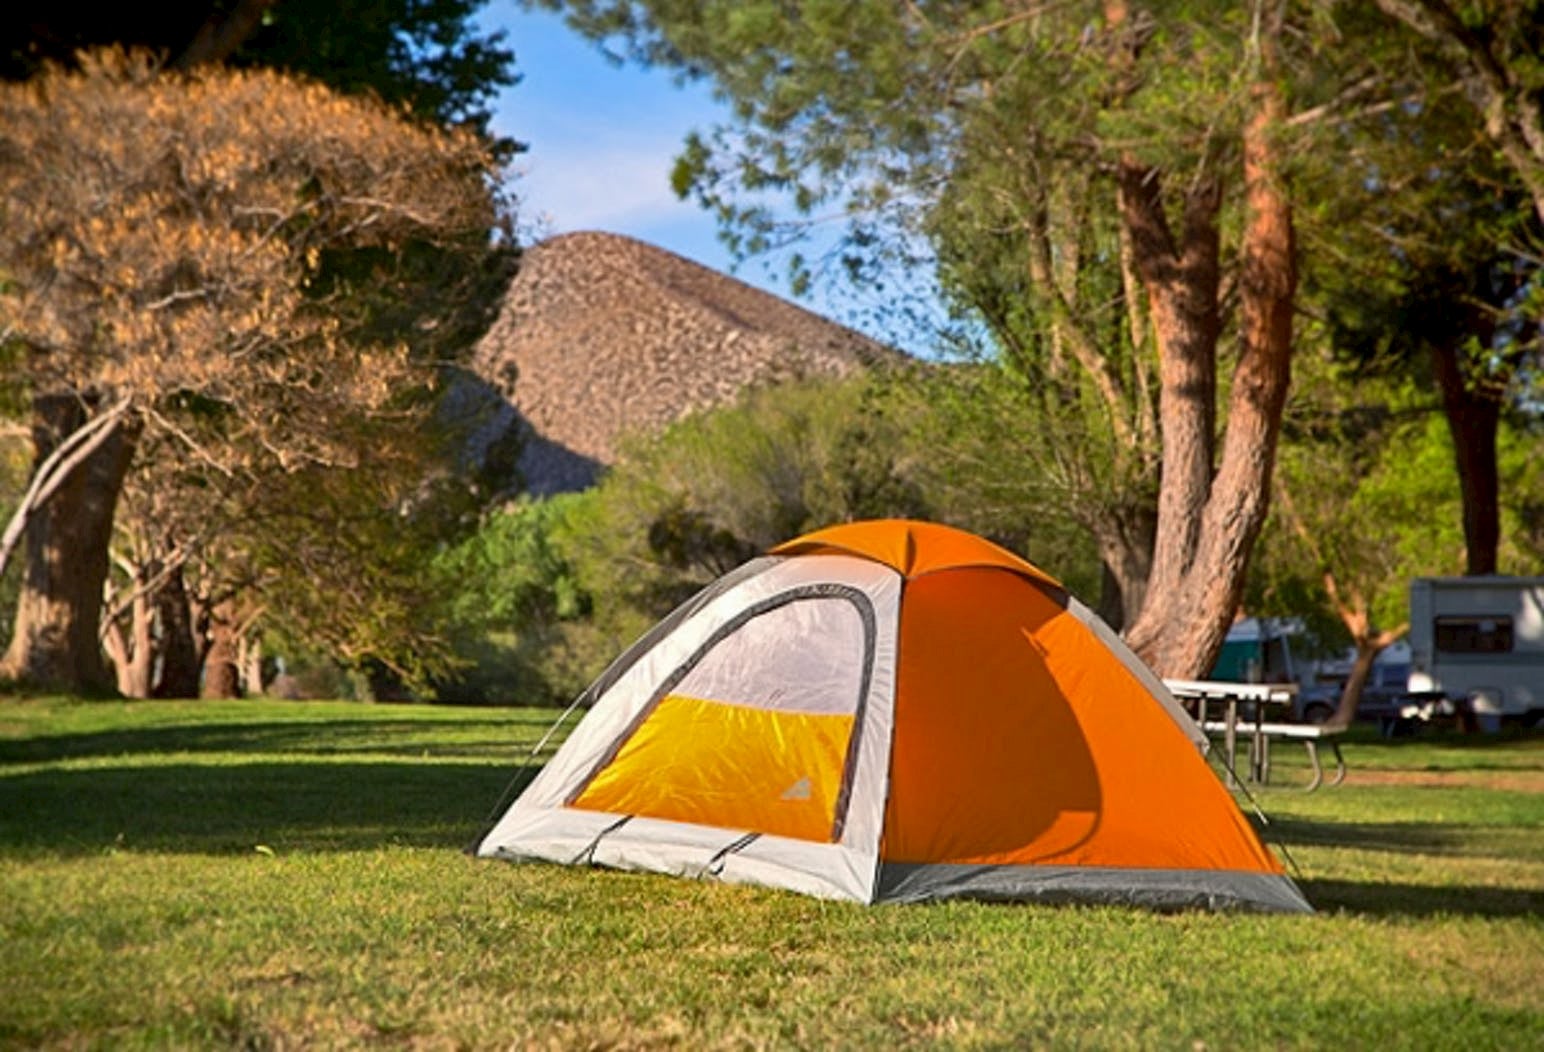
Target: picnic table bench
{"x": 1199, "y": 694}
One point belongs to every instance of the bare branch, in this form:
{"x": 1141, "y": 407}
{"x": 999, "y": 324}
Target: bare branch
{"x": 56, "y": 469}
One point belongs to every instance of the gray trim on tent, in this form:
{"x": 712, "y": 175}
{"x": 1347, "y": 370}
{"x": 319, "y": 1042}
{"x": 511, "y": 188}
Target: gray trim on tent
{"x": 1151, "y": 888}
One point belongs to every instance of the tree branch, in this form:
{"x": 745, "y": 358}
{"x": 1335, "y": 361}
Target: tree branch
{"x": 56, "y": 468}
{"x": 221, "y": 34}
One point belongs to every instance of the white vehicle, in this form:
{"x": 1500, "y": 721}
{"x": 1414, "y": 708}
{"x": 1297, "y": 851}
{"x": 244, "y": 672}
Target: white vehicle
{"x": 1480, "y": 640}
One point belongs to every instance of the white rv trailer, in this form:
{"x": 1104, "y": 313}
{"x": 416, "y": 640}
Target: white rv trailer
{"x": 1480, "y": 640}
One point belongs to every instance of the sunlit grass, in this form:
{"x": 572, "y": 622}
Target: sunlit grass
{"x": 267, "y": 874}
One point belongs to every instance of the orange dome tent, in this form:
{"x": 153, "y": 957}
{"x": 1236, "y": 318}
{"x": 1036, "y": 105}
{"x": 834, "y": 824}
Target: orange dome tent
{"x": 895, "y": 711}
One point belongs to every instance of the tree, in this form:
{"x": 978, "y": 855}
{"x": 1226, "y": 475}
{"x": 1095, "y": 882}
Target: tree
{"x": 716, "y": 488}
{"x": 428, "y": 56}
{"x": 1172, "y": 120}
{"x": 1425, "y": 265}
{"x": 1358, "y": 510}
{"x": 1033, "y": 464}
{"x": 1494, "y": 51}
{"x": 201, "y": 257}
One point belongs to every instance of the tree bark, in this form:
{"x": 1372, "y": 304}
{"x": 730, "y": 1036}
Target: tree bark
{"x": 250, "y": 661}
{"x": 1207, "y": 526}
{"x": 222, "y": 674}
{"x": 1181, "y": 280}
{"x": 55, "y": 642}
{"x": 222, "y": 33}
{"x": 1473, "y": 416}
{"x": 1355, "y": 613}
{"x": 133, "y": 655}
{"x": 181, "y": 642}
{"x": 1125, "y": 546}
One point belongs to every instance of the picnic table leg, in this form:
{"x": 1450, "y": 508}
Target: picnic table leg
{"x": 1340, "y": 763}
{"x": 1230, "y": 742}
{"x": 1313, "y": 760}
{"x": 1265, "y": 759}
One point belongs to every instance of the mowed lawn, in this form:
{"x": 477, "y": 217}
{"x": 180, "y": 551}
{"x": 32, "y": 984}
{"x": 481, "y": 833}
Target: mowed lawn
{"x": 278, "y": 875}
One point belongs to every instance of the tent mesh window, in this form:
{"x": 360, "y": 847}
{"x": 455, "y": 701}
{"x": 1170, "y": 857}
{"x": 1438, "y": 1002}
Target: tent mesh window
{"x": 758, "y": 729}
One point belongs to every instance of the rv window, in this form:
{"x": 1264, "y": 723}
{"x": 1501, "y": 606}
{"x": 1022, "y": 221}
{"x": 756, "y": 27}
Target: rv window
{"x": 1473, "y": 635}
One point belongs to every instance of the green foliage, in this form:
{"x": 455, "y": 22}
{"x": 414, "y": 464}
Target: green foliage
{"x": 1521, "y": 470}
{"x": 512, "y": 601}
{"x": 509, "y": 574}
{"x": 719, "y": 487}
{"x": 1365, "y": 492}
{"x": 15, "y": 469}
{"x": 429, "y": 56}
{"x": 548, "y": 592}
{"x": 426, "y": 55}
{"x": 1011, "y": 460}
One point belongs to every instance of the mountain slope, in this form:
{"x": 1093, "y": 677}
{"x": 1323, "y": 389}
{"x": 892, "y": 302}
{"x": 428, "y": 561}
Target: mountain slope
{"x": 602, "y": 335}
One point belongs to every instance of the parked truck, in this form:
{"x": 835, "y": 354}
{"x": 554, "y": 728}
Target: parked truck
{"x": 1480, "y": 642}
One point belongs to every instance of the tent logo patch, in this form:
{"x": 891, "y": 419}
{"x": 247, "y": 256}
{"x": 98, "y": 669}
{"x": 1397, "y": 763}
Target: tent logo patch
{"x": 799, "y": 790}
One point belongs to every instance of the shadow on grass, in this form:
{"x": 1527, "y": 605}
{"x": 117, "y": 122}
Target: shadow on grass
{"x": 323, "y": 806}
{"x": 1422, "y": 837}
{"x": 1422, "y": 900}
{"x": 326, "y": 737}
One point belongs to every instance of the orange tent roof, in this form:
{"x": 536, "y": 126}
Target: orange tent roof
{"x": 913, "y": 548}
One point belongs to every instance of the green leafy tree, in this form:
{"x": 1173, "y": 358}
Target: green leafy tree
{"x": 711, "y": 491}
{"x": 1425, "y": 260}
{"x": 1033, "y": 466}
{"x": 1493, "y": 52}
{"x": 427, "y": 55}
{"x": 1359, "y": 510}
{"x": 514, "y": 605}
{"x": 988, "y": 134}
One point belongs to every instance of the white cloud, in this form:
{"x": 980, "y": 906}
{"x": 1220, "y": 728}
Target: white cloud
{"x": 607, "y": 185}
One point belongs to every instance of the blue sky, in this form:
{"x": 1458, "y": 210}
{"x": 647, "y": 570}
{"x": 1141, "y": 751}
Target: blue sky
{"x": 602, "y": 140}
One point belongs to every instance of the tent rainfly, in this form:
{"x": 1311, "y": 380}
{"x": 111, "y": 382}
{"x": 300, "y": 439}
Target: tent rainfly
{"x": 895, "y": 711}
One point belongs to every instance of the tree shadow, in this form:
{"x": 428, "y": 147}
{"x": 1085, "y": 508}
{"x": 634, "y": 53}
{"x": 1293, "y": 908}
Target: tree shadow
{"x": 231, "y": 808}
{"x": 1394, "y": 898}
{"x": 494, "y": 739}
{"x": 1380, "y": 899}
{"x": 1402, "y": 837}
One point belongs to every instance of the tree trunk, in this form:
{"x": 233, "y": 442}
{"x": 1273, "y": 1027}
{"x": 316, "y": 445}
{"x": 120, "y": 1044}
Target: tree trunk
{"x": 222, "y": 33}
{"x": 1369, "y": 645}
{"x": 133, "y": 654}
{"x": 1125, "y": 546}
{"x": 1472, "y": 418}
{"x": 1207, "y": 527}
{"x": 55, "y": 642}
{"x": 250, "y": 660}
{"x": 222, "y": 674}
{"x": 1351, "y": 693}
{"x": 137, "y": 665}
{"x": 1181, "y": 281}
{"x": 180, "y": 643}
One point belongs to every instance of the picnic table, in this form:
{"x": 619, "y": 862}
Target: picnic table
{"x": 1199, "y": 695}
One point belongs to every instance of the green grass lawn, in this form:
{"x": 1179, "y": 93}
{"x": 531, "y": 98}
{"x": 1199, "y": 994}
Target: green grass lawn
{"x": 277, "y": 875}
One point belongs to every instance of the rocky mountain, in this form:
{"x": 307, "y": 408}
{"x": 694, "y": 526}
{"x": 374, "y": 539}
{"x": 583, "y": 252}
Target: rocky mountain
{"x": 602, "y": 335}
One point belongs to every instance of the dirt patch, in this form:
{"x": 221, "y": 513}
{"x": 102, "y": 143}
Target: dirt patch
{"x": 1505, "y": 781}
